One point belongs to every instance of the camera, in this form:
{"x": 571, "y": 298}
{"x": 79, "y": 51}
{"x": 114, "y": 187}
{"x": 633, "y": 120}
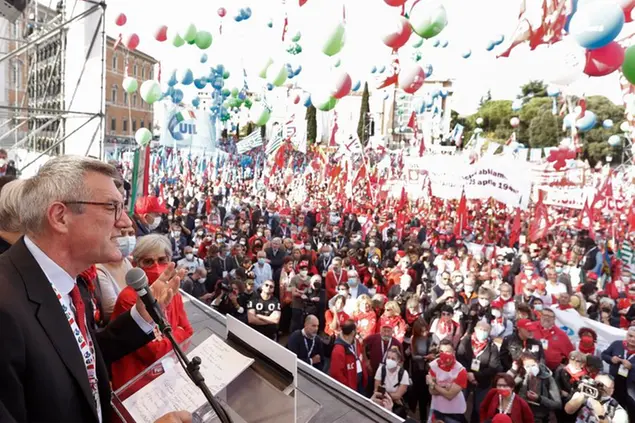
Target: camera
{"x": 590, "y": 388}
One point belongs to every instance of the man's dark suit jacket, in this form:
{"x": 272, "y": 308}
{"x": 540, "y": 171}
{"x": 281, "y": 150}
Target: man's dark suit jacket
{"x": 42, "y": 373}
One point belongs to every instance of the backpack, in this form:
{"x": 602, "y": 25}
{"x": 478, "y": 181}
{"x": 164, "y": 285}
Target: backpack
{"x": 383, "y": 375}
{"x": 397, "y": 408}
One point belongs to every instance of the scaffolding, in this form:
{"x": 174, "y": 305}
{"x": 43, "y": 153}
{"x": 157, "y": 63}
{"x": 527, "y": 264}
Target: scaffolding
{"x": 39, "y": 112}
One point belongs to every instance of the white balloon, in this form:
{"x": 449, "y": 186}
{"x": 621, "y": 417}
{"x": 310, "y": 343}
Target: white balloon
{"x": 566, "y": 62}
{"x": 625, "y": 127}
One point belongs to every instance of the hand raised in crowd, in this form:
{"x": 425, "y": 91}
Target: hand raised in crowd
{"x": 163, "y": 289}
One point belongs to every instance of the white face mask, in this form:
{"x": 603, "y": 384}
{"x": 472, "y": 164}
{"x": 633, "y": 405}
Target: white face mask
{"x": 201, "y": 280}
{"x": 155, "y": 223}
{"x": 496, "y": 313}
{"x": 304, "y": 272}
{"x": 189, "y": 256}
{"x": 3, "y": 162}
{"x": 468, "y": 289}
{"x": 391, "y": 364}
{"x": 126, "y": 245}
{"x": 532, "y": 370}
{"x": 483, "y": 302}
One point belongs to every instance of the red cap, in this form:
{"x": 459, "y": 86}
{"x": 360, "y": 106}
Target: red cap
{"x": 149, "y": 204}
{"x": 501, "y": 418}
{"x": 591, "y": 276}
{"x": 527, "y": 324}
{"x": 303, "y": 263}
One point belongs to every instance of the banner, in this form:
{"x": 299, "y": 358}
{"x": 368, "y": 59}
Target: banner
{"x": 445, "y": 176}
{"x": 571, "y": 322}
{"x": 183, "y": 128}
{"x": 569, "y": 197}
{"x": 250, "y": 142}
{"x": 447, "y": 150}
{"x": 296, "y": 132}
{"x": 498, "y": 178}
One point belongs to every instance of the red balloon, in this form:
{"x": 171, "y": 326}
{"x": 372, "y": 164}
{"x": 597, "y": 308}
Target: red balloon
{"x": 604, "y": 60}
{"x": 627, "y": 6}
{"x": 121, "y": 20}
{"x": 411, "y": 78}
{"x": 221, "y": 12}
{"x": 342, "y": 84}
{"x": 395, "y": 3}
{"x": 398, "y": 33}
{"x": 161, "y": 34}
{"x": 296, "y": 99}
{"x": 132, "y": 42}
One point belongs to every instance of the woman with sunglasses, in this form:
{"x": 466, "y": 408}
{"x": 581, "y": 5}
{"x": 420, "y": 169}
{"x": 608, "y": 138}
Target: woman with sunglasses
{"x": 153, "y": 254}
{"x": 502, "y": 399}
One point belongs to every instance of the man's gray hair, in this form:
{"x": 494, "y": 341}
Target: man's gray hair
{"x": 150, "y": 245}
{"x": 61, "y": 179}
{"x": 10, "y": 199}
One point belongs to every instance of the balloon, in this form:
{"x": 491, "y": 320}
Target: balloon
{"x": 327, "y": 105}
{"x": 479, "y": 121}
{"x": 200, "y": 83}
{"x": 296, "y": 99}
{"x": 604, "y": 60}
{"x": 382, "y": 69}
{"x": 596, "y": 24}
{"x": 615, "y": 140}
{"x": 467, "y": 53}
{"x": 259, "y": 114}
{"x": 444, "y": 92}
{"x": 608, "y": 123}
{"x": 625, "y": 126}
{"x": 204, "y": 58}
{"x": 132, "y": 42}
{"x": 395, "y": 3}
{"x": 428, "y": 70}
{"x": 263, "y": 69}
{"x": 143, "y": 136}
{"x": 203, "y": 40}
{"x": 428, "y": 18}
{"x": 296, "y": 37}
{"x": 221, "y": 12}
{"x": 161, "y": 33}
{"x": 553, "y": 91}
{"x": 517, "y": 105}
{"x": 186, "y": 76}
{"x": 177, "y": 41}
{"x": 277, "y": 74}
{"x": 196, "y": 101}
{"x": 490, "y": 45}
{"x": 177, "y": 96}
{"x": 270, "y": 24}
{"x": 335, "y": 39}
{"x": 569, "y": 120}
{"x": 356, "y": 86}
{"x": 566, "y": 62}
{"x": 341, "y": 84}
{"x": 514, "y": 122}
{"x": 397, "y": 33}
{"x": 586, "y": 122}
{"x": 444, "y": 43}
{"x": 627, "y": 7}
{"x": 499, "y": 39}
{"x": 188, "y": 33}
{"x": 269, "y": 86}
{"x": 411, "y": 78}
{"x": 418, "y": 42}
{"x": 436, "y": 43}
{"x": 628, "y": 67}
{"x": 150, "y": 91}
{"x": 121, "y": 20}
{"x": 130, "y": 84}
{"x": 307, "y": 100}
{"x": 226, "y": 74}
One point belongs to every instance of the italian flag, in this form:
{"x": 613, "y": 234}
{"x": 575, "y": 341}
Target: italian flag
{"x": 185, "y": 114}
{"x": 140, "y": 176}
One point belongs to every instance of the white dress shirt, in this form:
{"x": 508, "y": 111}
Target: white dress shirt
{"x": 65, "y": 282}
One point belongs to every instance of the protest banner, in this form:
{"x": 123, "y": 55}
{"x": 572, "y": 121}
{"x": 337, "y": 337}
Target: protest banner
{"x": 571, "y": 322}
{"x": 499, "y": 179}
{"x": 569, "y": 197}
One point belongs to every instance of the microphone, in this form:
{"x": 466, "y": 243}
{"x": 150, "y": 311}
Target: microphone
{"x": 136, "y": 279}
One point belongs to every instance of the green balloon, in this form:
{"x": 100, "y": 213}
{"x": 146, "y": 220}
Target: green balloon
{"x": 259, "y": 114}
{"x": 188, "y": 33}
{"x": 418, "y": 43}
{"x": 192, "y": 42}
{"x": 143, "y": 136}
{"x": 203, "y": 40}
{"x": 298, "y": 49}
{"x": 226, "y": 74}
{"x": 277, "y": 74}
{"x": 130, "y": 84}
{"x": 234, "y": 92}
{"x": 428, "y": 19}
{"x": 263, "y": 70}
{"x": 178, "y": 41}
{"x": 628, "y": 66}
{"x": 225, "y": 92}
{"x": 248, "y": 103}
{"x": 150, "y": 91}
{"x": 328, "y": 105}
{"x": 296, "y": 37}
{"x": 337, "y": 64}
{"x": 270, "y": 24}
{"x": 417, "y": 56}
{"x": 335, "y": 40}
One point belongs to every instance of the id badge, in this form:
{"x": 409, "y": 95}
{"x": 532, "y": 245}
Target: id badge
{"x": 476, "y": 365}
{"x": 324, "y": 274}
{"x": 359, "y": 366}
{"x": 545, "y": 344}
{"x": 534, "y": 348}
{"x": 224, "y": 274}
{"x": 623, "y": 371}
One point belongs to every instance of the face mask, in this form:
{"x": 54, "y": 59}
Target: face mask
{"x": 352, "y": 282}
{"x": 532, "y": 370}
{"x": 446, "y": 360}
{"x": 201, "y": 280}
{"x": 482, "y": 335}
{"x": 468, "y": 289}
{"x": 261, "y": 260}
{"x": 558, "y": 270}
{"x": 504, "y": 392}
{"x": 155, "y": 223}
{"x": 304, "y": 272}
{"x": 348, "y": 328}
{"x": 496, "y": 313}
{"x": 483, "y": 302}
{"x": 242, "y": 242}
{"x": 189, "y": 256}
{"x": 529, "y": 272}
{"x": 371, "y": 244}
{"x": 153, "y": 272}
{"x": 3, "y": 162}
{"x": 176, "y": 234}
{"x": 391, "y": 364}
{"x": 126, "y": 244}
{"x": 538, "y": 307}
{"x": 505, "y": 297}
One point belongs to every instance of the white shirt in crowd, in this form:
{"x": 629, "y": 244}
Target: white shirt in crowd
{"x": 189, "y": 265}
{"x": 391, "y": 379}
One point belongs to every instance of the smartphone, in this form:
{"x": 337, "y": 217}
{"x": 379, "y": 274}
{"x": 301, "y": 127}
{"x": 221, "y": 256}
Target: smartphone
{"x": 381, "y": 390}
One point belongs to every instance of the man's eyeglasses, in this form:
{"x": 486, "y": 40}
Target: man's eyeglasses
{"x": 268, "y": 285}
{"x": 113, "y": 206}
{"x": 150, "y": 261}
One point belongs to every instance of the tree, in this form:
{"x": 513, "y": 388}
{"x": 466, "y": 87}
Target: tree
{"x": 594, "y": 145}
{"x": 487, "y": 97}
{"x": 364, "y": 111}
{"x": 544, "y": 130}
{"x": 311, "y": 124}
{"x": 533, "y": 89}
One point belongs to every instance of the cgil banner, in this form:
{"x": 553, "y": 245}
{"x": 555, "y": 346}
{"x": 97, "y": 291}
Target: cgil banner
{"x": 569, "y": 197}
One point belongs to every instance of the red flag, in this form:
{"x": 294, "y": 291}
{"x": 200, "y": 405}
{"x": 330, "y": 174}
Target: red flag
{"x": 303, "y": 2}
{"x": 585, "y": 220}
{"x": 539, "y": 226}
{"x": 422, "y": 147}
{"x": 461, "y": 216}
{"x": 630, "y": 218}
{"x": 412, "y": 123}
{"x": 361, "y": 174}
{"x": 514, "y": 234}
{"x": 403, "y": 200}
{"x": 332, "y": 142}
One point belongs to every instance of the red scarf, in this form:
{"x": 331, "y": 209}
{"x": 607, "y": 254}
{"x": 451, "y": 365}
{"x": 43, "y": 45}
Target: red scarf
{"x": 477, "y": 346}
{"x": 577, "y": 375}
{"x": 444, "y": 327}
{"x": 628, "y": 352}
{"x": 564, "y": 307}
{"x": 446, "y": 361}
{"x": 410, "y": 317}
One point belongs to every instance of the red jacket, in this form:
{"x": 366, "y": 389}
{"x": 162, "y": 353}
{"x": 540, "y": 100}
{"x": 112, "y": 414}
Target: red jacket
{"x": 520, "y": 412}
{"x": 343, "y": 366}
{"x": 556, "y": 344}
{"x": 332, "y": 281}
{"x": 134, "y": 363}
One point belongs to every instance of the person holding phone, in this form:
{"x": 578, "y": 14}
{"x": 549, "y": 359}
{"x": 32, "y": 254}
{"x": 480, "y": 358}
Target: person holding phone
{"x": 393, "y": 380}
{"x": 537, "y": 386}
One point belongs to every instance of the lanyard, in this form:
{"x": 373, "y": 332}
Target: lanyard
{"x": 508, "y": 409}
{"x": 306, "y": 344}
{"x": 384, "y": 352}
{"x": 86, "y": 348}
{"x": 340, "y": 278}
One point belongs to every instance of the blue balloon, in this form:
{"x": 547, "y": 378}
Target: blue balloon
{"x": 177, "y": 96}
{"x": 436, "y": 43}
{"x": 297, "y": 71}
{"x": 586, "y": 122}
{"x": 196, "y": 101}
{"x": 214, "y": 109}
{"x": 615, "y": 140}
{"x": 382, "y": 69}
{"x": 499, "y": 39}
{"x": 247, "y": 13}
{"x": 200, "y": 83}
{"x": 218, "y": 83}
{"x": 307, "y": 102}
{"x": 490, "y": 45}
{"x": 220, "y": 69}
{"x": 242, "y": 95}
{"x": 444, "y": 92}
{"x": 553, "y": 91}
{"x": 169, "y": 92}
{"x": 608, "y": 123}
{"x": 466, "y": 54}
{"x": 373, "y": 69}
{"x": 357, "y": 85}
{"x": 428, "y": 70}
{"x": 204, "y": 58}
{"x": 596, "y": 24}
{"x": 188, "y": 77}
{"x": 444, "y": 43}
{"x": 238, "y": 18}
{"x": 435, "y": 93}
{"x": 574, "y": 8}
{"x": 269, "y": 86}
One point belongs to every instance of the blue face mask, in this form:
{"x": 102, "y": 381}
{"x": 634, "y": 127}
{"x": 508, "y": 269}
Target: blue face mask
{"x": 261, "y": 261}
{"x": 126, "y": 245}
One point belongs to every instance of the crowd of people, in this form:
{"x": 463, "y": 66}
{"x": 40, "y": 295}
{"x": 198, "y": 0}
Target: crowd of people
{"x": 400, "y": 309}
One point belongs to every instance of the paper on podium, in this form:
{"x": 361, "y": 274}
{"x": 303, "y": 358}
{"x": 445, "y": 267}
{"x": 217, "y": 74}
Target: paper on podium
{"x": 173, "y": 390}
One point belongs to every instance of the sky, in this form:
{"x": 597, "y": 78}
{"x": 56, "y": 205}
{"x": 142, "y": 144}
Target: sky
{"x": 248, "y": 44}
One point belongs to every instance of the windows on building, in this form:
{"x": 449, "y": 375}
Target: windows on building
{"x": 113, "y": 94}
{"x": 134, "y": 100}
{"x": 134, "y": 125}
{"x": 113, "y": 125}
{"x": 142, "y": 125}
{"x": 134, "y": 70}
{"x": 114, "y": 62}
{"x": 125, "y": 125}
{"x": 125, "y": 97}
{"x": 143, "y": 72}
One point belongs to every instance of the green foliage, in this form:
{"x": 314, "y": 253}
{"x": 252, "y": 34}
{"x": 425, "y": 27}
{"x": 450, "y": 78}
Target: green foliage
{"x": 311, "y": 124}
{"x": 533, "y": 89}
{"x": 544, "y": 130}
{"x": 364, "y": 110}
{"x": 594, "y": 145}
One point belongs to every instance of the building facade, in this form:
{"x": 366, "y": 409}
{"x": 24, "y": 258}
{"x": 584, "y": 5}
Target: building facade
{"x": 126, "y": 113}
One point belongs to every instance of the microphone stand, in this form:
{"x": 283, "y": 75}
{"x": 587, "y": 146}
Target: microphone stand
{"x": 193, "y": 370}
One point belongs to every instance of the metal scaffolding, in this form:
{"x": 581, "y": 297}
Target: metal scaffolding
{"x": 38, "y": 101}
